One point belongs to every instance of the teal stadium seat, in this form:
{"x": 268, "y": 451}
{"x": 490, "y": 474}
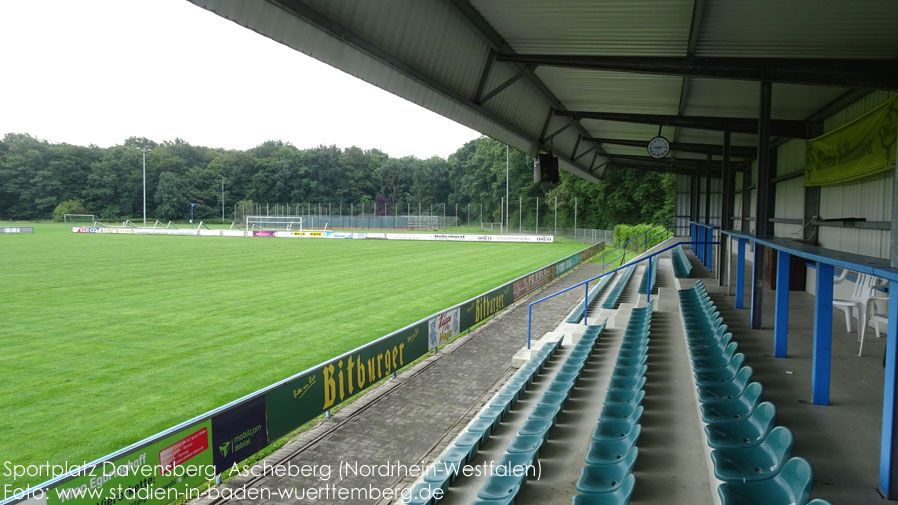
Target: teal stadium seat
{"x": 597, "y": 479}
{"x": 726, "y": 390}
{"x": 621, "y": 412}
{"x": 745, "y": 433}
{"x": 613, "y": 430}
{"x": 624, "y": 396}
{"x": 608, "y": 451}
{"x": 721, "y": 375}
{"x": 791, "y": 486}
{"x": 758, "y": 462}
{"x": 735, "y": 408}
{"x": 620, "y": 496}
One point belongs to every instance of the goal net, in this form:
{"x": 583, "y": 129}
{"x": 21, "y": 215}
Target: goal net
{"x": 80, "y": 219}
{"x": 275, "y": 223}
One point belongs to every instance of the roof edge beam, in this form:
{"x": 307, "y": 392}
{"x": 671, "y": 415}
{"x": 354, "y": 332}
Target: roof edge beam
{"x": 854, "y": 73}
{"x": 779, "y": 127}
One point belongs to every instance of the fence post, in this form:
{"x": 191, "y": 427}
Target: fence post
{"x": 586, "y": 305}
{"x": 648, "y": 282}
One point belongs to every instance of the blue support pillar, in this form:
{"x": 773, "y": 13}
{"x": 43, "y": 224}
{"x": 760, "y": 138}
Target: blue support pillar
{"x": 823, "y": 335}
{"x": 701, "y": 248}
{"x": 692, "y": 236}
{"x": 755, "y": 316}
{"x": 648, "y": 282}
{"x": 780, "y": 331}
{"x": 709, "y": 252}
{"x": 888, "y": 472}
{"x": 740, "y": 273}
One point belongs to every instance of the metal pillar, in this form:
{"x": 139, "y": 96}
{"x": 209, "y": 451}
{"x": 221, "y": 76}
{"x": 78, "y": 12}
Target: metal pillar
{"x": 726, "y": 202}
{"x": 823, "y": 335}
{"x": 780, "y": 327}
{"x": 761, "y": 203}
{"x": 740, "y": 273}
{"x": 709, "y": 234}
{"x": 746, "y": 199}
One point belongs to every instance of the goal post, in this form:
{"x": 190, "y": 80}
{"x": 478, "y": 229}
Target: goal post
{"x": 79, "y": 218}
{"x": 274, "y": 223}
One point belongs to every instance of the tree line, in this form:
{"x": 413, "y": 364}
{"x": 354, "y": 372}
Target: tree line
{"x": 38, "y": 177}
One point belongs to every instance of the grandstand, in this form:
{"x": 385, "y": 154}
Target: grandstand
{"x": 778, "y": 121}
{"x": 661, "y": 401}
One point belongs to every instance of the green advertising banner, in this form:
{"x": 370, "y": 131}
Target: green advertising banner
{"x": 159, "y": 473}
{"x": 485, "y": 306}
{"x": 863, "y": 147}
{"x": 566, "y": 264}
{"x": 304, "y": 398}
{"x": 591, "y": 251}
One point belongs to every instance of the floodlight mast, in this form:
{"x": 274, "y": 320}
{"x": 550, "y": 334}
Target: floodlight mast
{"x": 144, "y": 149}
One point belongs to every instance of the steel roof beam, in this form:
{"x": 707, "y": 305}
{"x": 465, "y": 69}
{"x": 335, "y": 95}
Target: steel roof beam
{"x": 688, "y": 147}
{"x": 498, "y": 44}
{"x": 779, "y": 127}
{"x": 854, "y": 73}
{"x": 670, "y": 167}
{"x": 698, "y": 164}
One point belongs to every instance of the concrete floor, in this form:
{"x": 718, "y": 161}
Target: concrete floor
{"x": 840, "y": 440}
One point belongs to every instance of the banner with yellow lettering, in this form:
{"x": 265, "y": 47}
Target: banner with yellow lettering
{"x": 861, "y": 148}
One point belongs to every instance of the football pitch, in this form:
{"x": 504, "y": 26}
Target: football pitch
{"x": 108, "y": 339}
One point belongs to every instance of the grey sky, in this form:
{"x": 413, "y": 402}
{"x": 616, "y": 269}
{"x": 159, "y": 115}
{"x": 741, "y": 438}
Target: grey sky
{"x": 100, "y": 71}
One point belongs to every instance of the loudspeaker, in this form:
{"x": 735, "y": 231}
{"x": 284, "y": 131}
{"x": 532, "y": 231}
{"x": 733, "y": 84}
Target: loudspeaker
{"x": 545, "y": 169}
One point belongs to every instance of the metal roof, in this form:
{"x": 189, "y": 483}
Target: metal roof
{"x": 512, "y": 68}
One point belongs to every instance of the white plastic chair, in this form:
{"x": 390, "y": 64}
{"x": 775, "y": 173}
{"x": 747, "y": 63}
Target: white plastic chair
{"x": 862, "y": 298}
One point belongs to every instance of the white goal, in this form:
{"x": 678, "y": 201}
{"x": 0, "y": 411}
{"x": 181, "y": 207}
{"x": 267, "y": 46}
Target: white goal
{"x": 80, "y": 218}
{"x": 274, "y": 223}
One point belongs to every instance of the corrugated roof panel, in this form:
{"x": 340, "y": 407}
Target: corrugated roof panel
{"x": 729, "y": 98}
{"x": 592, "y": 90}
{"x": 800, "y": 29}
{"x": 609, "y": 27}
{"x": 715, "y": 137}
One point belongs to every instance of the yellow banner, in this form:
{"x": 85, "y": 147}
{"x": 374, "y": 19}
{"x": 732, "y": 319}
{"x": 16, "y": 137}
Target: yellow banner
{"x": 861, "y": 148}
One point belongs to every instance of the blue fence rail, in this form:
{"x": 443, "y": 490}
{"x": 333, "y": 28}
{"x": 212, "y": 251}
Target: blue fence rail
{"x": 585, "y": 284}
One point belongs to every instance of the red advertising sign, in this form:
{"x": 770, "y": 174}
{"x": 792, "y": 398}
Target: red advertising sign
{"x": 183, "y": 450}
{"x": 533, "y": 281}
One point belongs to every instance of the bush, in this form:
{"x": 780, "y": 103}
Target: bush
{"x": 68, "y": 207}
{"x": 625, "y": 232}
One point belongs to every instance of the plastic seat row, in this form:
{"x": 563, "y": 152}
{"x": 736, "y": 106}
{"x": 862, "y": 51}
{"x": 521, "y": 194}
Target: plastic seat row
{"x": 648, "y": 281}
{"x": 681, "y": 265}
{"x": 622, "y": 280}
{"x": 577, "y": 315}
{"x": 751, "y": 457}
{"x": 444, "y": 472}
{"x": 503, "y": 487}
{"x": 607, "y": 478}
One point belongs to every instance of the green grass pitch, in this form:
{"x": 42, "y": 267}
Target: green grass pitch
{"x": 107, "y": 339}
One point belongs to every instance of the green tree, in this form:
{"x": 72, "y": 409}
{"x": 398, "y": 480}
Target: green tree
{"x": 171, "y": 203}
{"x": 68, "y": 207}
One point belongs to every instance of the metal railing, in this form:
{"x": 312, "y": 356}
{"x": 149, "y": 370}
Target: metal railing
{"x": 648, "y": 296}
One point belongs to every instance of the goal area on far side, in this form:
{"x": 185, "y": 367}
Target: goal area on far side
{"x": 274, "y": 223}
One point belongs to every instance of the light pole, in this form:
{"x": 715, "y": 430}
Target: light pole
{"x": 144, "y": 149}
{"x": 222, "y": 198}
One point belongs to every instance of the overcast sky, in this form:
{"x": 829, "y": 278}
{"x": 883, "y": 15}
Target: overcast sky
{"x": 100, "y": 71}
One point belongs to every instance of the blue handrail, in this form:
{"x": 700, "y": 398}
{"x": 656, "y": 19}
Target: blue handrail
{"x": 648, "y": 296}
